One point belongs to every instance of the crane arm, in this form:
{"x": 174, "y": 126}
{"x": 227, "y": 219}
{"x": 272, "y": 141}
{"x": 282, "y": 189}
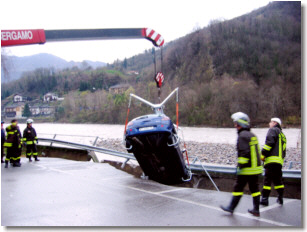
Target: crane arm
{"x": 41, "y": 36}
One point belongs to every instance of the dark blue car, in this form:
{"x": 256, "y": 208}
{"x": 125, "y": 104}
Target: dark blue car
{"x": 155, "y": 144}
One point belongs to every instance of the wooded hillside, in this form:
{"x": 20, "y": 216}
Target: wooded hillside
{"x": 250, "y": 64}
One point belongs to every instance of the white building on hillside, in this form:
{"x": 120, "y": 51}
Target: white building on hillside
{"x": 50, "y": 97}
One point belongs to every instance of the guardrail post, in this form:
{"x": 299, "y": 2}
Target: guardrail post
{"x": 53, "y": 138}
{"x": 124, "y": 164}
{"x": 92, "y": 154}
{"x": 94, "y": 144}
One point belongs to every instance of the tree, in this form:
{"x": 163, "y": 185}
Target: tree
{"x": 84, "y": 86}
{"x": 125, "y": 64}
{"x": 59, "y": 113}
{"x": 26, "y": 111}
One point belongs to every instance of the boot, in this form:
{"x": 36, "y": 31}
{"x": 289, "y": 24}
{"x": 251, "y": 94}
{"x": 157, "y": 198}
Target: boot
{"x": 280, "y": 199}
{"x": 36, "y": 159}
{"x": 265, "y": 197}
{"x": 6, "y": 165}
{"x": 16, "y": 164}
{"x": 264, "y": 201}
{"x": 255, "y": 211}
{"x": 30, "y": 160}
{"x": 233, "y": 204}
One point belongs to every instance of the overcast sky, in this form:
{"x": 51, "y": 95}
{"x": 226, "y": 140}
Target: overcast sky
{"x": 172, "y": 19}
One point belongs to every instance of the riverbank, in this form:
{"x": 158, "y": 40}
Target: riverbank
{"x": 213, "y": 153}
{"x": 212, "y": 145}
{"x": 78, "y": 132}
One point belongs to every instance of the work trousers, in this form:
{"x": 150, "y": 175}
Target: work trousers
{"x": 242, "y": 180}
{"x": 13, "y": 155}
{"x": 273, "y": 174}
{"x": 31, "y": 150}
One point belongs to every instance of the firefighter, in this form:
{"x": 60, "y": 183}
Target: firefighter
{"x": 2, "y": 141}
{"x": 273, "y": 154}
{"x": 13, "y": 144}
{"x": 30, "y": 139}
{"x": 249, "y": 164}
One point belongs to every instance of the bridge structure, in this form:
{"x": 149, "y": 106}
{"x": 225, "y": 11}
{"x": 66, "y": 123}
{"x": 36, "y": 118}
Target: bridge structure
{"x": 196, "y": 164}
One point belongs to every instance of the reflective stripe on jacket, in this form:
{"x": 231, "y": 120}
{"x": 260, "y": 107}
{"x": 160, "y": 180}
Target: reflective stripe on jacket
{"x": 249, "y": 162}
{"x": 274, "y": 150}
{"x": 29, "y": 136}
{"x": 13, "y": 137}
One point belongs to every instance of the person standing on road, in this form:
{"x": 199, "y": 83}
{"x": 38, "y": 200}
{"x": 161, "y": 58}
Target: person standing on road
{"x": 2, "y": 141}
{"x": 13, "y": 144}
{"x": 273, "y": 154}
{"x": 249, "y": 164}
{"x": 30, "y": 139}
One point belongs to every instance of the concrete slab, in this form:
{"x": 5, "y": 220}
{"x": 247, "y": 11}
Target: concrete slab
{"x": 58, "y": 192}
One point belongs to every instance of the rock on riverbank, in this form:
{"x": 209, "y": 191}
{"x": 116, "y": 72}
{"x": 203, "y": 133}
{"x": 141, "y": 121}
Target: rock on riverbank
{"x": 214, "y": 153}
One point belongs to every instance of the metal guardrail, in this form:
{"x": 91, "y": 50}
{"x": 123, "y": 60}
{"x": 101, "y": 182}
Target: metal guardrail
{"x": 287, "y": 173}
{"x": 90, "y": 148}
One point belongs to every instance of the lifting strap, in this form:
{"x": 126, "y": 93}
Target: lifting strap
{"x": 177, "y": 124}
{"x": 128, "y": 111}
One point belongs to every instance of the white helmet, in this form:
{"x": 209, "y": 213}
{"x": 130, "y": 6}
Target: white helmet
{"x": 241, "y": 119}
{"x": 29, "y": 121}
{"x": 276, "y": 120}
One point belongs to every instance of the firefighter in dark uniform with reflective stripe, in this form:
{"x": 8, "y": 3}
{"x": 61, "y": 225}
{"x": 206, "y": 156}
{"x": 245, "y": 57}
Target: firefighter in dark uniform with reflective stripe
{"x": 2, "y": 141}
{"x": 30, "y": 139}
{"x": 273, "y": 154}
{"x": 13, "y": 144}
{"x": 249, "y": 164}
